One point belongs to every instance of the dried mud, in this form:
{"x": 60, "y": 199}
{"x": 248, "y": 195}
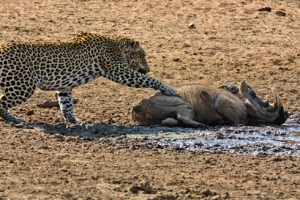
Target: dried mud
{"x": 186, "y": 41}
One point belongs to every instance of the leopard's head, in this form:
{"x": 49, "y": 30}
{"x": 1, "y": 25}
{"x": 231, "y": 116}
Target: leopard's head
{"x": 136, "y": 57}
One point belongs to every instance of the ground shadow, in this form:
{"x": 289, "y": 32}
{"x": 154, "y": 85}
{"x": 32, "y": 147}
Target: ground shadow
{"x": 101, "y": 130}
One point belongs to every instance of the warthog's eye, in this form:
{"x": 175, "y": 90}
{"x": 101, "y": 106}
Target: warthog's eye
{"x": 137, "y": 109}
{"x": 266, "y": 104}
{"x": 253, "y": 94}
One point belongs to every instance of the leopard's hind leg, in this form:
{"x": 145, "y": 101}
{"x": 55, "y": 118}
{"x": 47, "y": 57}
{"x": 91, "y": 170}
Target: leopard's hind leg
{"x": 15, "y": 91}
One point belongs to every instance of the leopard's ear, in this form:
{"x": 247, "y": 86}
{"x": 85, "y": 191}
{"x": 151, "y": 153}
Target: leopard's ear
{"x": 135, "y": 44}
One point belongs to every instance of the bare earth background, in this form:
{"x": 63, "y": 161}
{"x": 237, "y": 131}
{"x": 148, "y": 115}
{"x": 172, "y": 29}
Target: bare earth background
{"x": 231, "y": 41}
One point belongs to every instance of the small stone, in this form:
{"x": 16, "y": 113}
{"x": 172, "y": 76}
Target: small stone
{"x": 215, "y": 197}
{"x": 186, "y": 45}
{"x": 207, "y": 192}
{"x": 132, "y": 147}
{"x": 280, "y": 13}
{"x": 225, "y": 195}
{"x": 134, "y": 189}
{"x": 176, "y": 59}
{"x": 30, "y": 112}
{"x": 44, "y": 147}
{"x": 148, "y": 190}
{"x": 271, "y": 178}
{"x": 57, "y": 120}
{"x": 116, "y": 181}
{"x": 267, "y": 9}
{"x": 191, "y": 25}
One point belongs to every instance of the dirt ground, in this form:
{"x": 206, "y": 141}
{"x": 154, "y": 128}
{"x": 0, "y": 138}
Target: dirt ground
{"x": 222, "y": 41}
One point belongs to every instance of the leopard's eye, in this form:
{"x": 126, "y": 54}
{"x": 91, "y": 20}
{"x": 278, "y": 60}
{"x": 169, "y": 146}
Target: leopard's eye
{"x": 142, "y": 71}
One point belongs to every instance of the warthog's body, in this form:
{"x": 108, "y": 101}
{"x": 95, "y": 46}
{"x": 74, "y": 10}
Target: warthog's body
{"x": 199, "y": 105}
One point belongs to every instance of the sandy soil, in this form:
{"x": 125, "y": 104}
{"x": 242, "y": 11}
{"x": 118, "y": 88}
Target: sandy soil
{"x": 230, "y": 41}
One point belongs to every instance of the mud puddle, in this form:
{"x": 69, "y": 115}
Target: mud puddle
{"x": 245, "y": 140}
{"x": 249, "y": 140}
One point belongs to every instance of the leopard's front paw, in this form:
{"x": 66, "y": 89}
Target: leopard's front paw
{"x": 74, "y": 121}
{"x": 169, "y": 91}
{"x": 19, "y": 120}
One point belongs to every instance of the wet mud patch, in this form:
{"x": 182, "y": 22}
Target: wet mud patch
{"x": 243, "y": 140}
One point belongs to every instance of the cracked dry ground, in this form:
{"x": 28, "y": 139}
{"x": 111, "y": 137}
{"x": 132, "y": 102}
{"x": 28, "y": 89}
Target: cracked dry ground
{"x": 231, "y": 41}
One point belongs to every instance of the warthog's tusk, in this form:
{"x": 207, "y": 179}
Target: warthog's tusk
{"x": 278, "y": 103}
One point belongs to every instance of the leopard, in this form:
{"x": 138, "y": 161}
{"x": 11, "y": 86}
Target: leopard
{"x": 63, "y": 65}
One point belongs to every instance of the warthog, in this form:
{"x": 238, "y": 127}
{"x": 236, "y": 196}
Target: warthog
{"x": 200, "y": 105}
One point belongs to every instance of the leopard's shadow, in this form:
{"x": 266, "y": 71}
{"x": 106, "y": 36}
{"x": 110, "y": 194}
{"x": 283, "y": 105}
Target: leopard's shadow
{"x": 101, "y": 130}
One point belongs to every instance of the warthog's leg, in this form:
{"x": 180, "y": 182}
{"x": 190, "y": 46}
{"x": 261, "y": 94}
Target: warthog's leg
{"x": 171, "y": 122}
{"x": 228, "y": 110}
{"x": 187, "y": 120}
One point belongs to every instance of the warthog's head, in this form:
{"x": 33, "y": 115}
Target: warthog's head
{"x": 258, "y": 110}
{"x": 158, "y": 107}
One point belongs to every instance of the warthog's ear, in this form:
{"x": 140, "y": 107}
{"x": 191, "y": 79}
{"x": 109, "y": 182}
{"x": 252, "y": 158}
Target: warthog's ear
{"x": 251, "y": 109}
{"x": 231, "y": 88}
{"x": 243, "y": 87}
